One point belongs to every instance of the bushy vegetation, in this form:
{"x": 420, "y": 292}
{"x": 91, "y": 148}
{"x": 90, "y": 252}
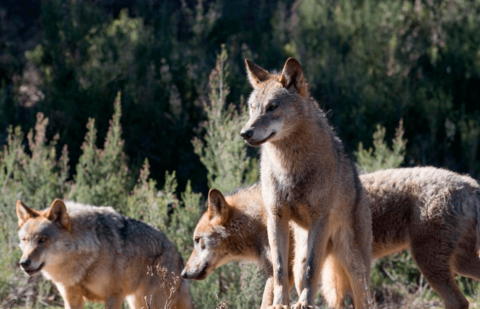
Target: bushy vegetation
{"x": 174, "y": 132}
{"x": 370, "y": 62}
{"x": 381, "y": 156}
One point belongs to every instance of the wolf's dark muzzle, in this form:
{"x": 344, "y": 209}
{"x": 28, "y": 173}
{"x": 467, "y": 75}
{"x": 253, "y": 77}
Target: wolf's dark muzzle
{"x": 246, "y": 134}
{"x": 25, "y": 263}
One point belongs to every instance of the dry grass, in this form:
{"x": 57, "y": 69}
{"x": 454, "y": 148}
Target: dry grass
{"x": 221, "y": 304}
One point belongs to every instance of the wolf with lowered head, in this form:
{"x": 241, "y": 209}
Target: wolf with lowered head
{"x": 96, "y": 254}
{"x": 308, "y": 182}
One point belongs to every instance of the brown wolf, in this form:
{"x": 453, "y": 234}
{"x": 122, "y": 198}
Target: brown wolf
{"x": 434, "y": 212}
{"x": 308, "y": 182}
{"x": 96, "y": 254}
{"x": 233, "y": 228}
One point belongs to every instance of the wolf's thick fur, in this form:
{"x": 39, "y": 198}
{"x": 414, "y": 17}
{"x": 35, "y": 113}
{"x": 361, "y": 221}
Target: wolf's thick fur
{"x": 433, "y": 212}
{"x": 436, "y": 214}
{"x": 96, "y": 254}
{"x": 308, "y": 182}
{"x": 233, "y": 228}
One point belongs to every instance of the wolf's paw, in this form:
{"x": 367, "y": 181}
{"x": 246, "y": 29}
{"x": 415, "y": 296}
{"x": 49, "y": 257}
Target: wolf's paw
{"x": 301, "y": 305}
{"x": 277, "y": 307}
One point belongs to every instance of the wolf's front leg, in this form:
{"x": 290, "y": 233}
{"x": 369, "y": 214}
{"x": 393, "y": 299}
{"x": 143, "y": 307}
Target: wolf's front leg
{"x": 278, "y": 238}
{"x": 114, "y": 302}
{"x": 308, "y": 268}
{"x": 72, "y": 296}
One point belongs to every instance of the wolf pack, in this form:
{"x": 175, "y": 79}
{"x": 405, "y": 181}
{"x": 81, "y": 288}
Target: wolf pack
{"x": 311, "y": 222}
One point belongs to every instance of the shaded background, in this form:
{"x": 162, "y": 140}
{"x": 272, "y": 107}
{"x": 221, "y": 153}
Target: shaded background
{"x": 367, "y": 62}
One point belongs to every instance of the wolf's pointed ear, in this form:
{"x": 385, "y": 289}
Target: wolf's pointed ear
{"x": 256, "y": 74}
{"x": 58, "y": 213}
{"x": 24, "y": 213}
{"x": 292, "y": 75}
{"x": 217, "y": 206}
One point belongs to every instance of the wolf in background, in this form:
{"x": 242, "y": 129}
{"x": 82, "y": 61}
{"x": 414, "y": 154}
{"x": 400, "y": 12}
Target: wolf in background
{"x": 310, "y": 184}
{"x": 96, "y": 254}
{"x": 433, "y": 212}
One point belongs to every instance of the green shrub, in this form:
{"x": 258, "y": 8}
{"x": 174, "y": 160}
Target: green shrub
{"x": 381, "y": 156}
{"x": 222, "y": 150}
{"x": 102, "y": 176}
{"x": 150, "y": 205}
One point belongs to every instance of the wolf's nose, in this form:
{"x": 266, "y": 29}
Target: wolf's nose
{"x": 246, "y": 134}
{"x": 25, "y": 263}
{"x": 184, "y": 273}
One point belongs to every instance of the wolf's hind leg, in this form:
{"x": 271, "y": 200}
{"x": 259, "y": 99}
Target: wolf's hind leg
{"x": 351, "y": 252}
{"x": 467, "y": 265}
{"x": 267, "y": 298}
{"x": 466, "y": 261}
{"x": 335, "y": 283}
{"x": 358, "y": 273}
{"x": 433, "y": 260}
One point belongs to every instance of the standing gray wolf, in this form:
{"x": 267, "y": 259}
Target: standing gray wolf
{"x": 308, "y": 182}
{"x": 96, "y": 254}
{"x": 433, "y": 212}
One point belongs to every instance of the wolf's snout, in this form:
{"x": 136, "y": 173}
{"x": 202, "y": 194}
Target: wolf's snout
{"x": 25, "y": 263}
{"x": 195, "y": 273}
{"x": 185, "y": 274}
{"x": 246, "y": 134}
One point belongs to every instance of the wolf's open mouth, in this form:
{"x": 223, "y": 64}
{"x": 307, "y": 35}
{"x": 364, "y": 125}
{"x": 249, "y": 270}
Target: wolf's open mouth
{"x": 256, "y": 144}
{"x": 32, "y": 272}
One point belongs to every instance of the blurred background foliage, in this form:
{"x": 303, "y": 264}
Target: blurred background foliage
{"x": 395, "y": 70}
{"x": 367, "y": 62}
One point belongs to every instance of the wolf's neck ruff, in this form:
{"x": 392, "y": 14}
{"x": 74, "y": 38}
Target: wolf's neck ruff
{"x": 244, "y": 241}
{"x": 310, "y": 142}
{"x": 245, "y": 220}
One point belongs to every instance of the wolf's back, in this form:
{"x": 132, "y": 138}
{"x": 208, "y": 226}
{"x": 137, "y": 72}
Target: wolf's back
{"x": 106, "y": 227}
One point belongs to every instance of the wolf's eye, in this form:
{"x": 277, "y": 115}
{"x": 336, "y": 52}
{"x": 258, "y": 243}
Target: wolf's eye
{"x": 197, "y": 240}
{"x": 42, "y": 239}
{"x": 272, "y": 107}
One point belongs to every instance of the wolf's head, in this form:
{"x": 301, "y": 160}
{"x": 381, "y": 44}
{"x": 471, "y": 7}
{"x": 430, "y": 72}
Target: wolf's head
{"x": 277, "y": 103}
{"x": 38, "y": 233}
{"x": 210, "y": 239}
